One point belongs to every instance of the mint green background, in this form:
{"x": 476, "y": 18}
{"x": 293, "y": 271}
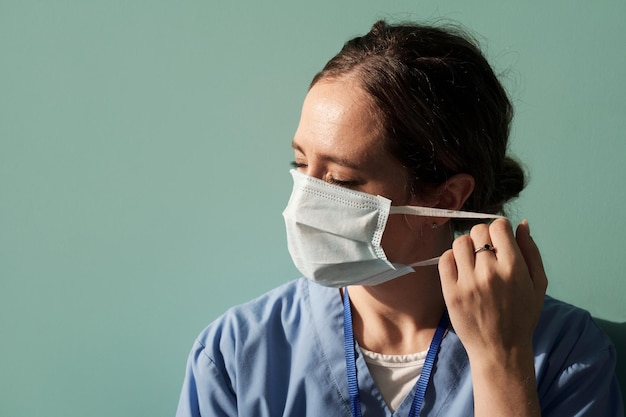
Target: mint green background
{"x": 144, "y": 149}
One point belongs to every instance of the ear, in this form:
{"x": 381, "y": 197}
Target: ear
{"x": 455, "y": 191}
{"x": 452, "y": 195}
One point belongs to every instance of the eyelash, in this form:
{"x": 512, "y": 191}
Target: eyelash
{"x": 331, "y": 180}
{"x": 347, "y": 184}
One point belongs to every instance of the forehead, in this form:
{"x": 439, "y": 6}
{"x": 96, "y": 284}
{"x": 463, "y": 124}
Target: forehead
{"x": 338, "y": 116}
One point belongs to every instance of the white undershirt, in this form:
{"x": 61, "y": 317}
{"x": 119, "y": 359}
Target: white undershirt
{"x": 394, "y": 375}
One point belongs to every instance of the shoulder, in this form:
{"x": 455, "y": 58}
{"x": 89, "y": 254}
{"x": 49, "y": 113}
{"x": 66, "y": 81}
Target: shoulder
{"x": 293, "y": 317}
{"x": 264, "y": 356}
{"x": 570, "y": 330}
{"x": 236, "y": 352}
{"x": 277, "y": 310}
{"x": 575, "y": 363}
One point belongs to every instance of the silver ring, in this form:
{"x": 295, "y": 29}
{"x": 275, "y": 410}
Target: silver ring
{"x": 486, "y": 246}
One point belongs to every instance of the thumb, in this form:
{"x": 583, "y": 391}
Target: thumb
{"x": 532, "y": 257}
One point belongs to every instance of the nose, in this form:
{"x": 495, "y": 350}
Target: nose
{"x": 313, "y": 168}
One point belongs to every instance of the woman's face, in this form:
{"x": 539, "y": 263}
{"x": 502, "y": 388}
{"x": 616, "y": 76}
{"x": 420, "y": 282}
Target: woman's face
{"x": 339, "y": 141}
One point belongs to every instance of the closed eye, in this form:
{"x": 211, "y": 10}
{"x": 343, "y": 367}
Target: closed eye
{"x": 329, "y": 179}
{"x": 346, "y": 184}
{"x": 297, "y": 165}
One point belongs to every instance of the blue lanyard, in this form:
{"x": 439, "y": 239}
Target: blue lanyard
{"x": 349, "y": 346}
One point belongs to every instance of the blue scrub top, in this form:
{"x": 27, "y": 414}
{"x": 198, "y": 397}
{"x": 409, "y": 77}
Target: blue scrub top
{"x": 282, "y": 355}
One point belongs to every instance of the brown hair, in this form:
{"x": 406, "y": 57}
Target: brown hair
{"x": 442, "y": 108}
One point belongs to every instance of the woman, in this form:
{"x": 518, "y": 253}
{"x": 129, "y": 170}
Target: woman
{"x": 401, "y": 130}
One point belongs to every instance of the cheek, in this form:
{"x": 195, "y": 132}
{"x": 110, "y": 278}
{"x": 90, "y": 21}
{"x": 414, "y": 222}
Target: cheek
{"x": 404, "y": 234}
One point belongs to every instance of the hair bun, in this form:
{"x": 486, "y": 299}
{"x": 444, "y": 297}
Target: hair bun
{"x": 509, "y": 184}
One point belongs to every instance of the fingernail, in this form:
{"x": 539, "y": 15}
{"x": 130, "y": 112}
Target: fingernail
{"x": 525, "y": 221}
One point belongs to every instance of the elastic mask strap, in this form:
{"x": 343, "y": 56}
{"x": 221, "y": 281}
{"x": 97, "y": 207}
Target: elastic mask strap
{"x": 439, "y": 212}
{"x": 426, "y": 262}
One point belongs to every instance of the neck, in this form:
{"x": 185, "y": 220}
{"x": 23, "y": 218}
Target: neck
{"x": 400, "y": 316}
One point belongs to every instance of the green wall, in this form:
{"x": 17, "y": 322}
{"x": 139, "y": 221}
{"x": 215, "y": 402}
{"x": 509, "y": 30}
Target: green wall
{"x": 144, "y": 149}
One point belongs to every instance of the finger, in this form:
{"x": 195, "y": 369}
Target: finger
{"x": 480, "y": 237}
{"x": 463, "y": 249}
{"x": 501, "y": 233}
{"x": 532, "y": 256}
{"x": 449, "y": 276}
{"x": 447, "y": 269}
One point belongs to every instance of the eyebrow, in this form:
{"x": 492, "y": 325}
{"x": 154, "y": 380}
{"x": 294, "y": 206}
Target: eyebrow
{"x": 329, "y": 158}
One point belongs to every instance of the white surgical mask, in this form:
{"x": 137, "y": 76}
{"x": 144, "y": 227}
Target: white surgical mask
{"x": 334, "y": 233}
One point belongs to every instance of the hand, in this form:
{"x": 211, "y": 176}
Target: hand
{"x": 494, "y": 298}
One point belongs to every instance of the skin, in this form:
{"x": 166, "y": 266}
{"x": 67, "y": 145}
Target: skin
{"x": 494, "y": 298}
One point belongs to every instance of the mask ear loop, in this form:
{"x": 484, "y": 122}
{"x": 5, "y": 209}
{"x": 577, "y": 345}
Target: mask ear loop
{"x": 437, "y": 212}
